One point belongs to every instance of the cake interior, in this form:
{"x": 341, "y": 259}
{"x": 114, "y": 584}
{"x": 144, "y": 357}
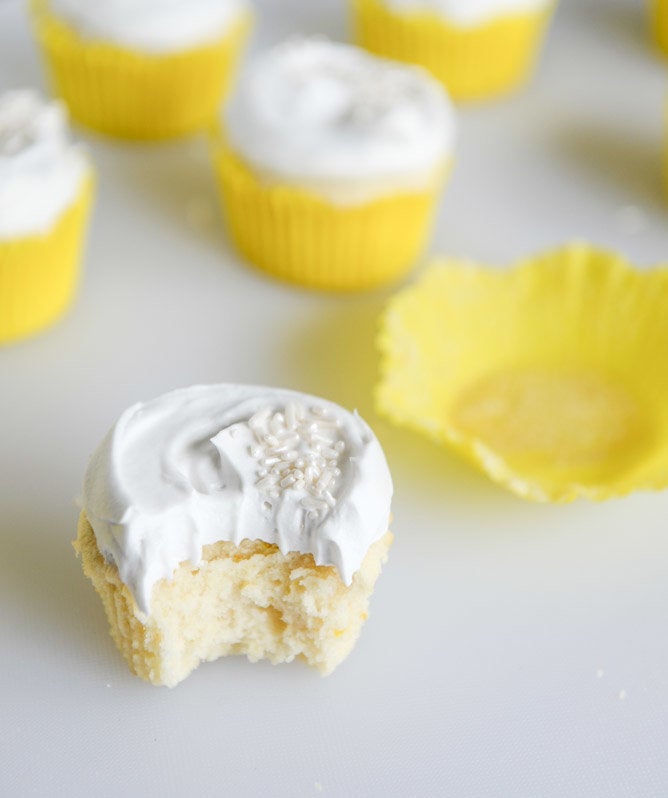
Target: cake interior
{"x": 247, "y": 599}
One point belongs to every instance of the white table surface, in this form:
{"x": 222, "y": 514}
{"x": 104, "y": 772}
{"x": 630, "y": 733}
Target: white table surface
{"x": 513, "y": 649}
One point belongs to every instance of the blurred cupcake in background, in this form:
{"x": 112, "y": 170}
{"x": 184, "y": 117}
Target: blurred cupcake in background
{"x": 45, "y": 195}
{"x": 476, "y": 48}
{"x": 659, "y": 23}
{"x": 142, "y": 69}
{"x": 331, "y": 162}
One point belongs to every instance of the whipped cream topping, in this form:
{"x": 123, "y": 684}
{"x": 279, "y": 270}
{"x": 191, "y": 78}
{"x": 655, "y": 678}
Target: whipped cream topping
{"x": 334, "y": 118}
{"x": 228, "y": 462}
{"x": 40, "y": 169}
{"x": 468, "y": 13}
{"x": 154, "y": 26}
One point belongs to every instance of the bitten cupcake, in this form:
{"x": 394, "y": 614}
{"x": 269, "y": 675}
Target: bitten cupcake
{"x": 477, "y": 48}
{"x": 330, "y": 163}
{"x": 45, "y": 195}
{"x": 228, "y": 519}
{"x": 149, "y": 69}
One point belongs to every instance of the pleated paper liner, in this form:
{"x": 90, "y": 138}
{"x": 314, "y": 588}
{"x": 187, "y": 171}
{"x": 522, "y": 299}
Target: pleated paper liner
{"x": 659, "y": 23}
{"x": 132, "y": 95}
{"x": 473, "y": 63}
{"x": 39, "y": 274}
{"x": 300, "y": 237}
{"x": 551, "y": 377}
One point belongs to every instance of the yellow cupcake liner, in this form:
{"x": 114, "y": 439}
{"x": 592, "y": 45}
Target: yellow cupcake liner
{"x": 300, "y": 237}
{"x": 473, "y": 63}
{"x": 659, "y": 23}
{"x": 39, "y": 273}
{"x": 131, "y": 95}
{"x": 551, "y": 377}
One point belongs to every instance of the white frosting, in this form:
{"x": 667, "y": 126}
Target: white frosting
{"x": 40, "y": 170}
{"x": 468, "y": 13}
{"x": 154, "y": 26}
{"x": 336, "y": 119}
{"x": 229, "y": 462}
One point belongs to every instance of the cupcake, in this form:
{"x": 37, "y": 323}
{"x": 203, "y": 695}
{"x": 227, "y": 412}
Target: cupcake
{"x": 149, "y": 69}
{"x": 330, "y": 163}
{"x": 659, "y": 23}
{"x": 229, "y": 519}
{"x": 45, "y": 196}
{"x": 477, "y": 48}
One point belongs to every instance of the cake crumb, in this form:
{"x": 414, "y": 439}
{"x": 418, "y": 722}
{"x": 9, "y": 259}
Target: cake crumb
{"x": 319, "y": 786}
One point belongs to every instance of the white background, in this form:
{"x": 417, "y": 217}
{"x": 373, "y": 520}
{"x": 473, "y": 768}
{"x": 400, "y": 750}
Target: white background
{"x": 513, "y": 649}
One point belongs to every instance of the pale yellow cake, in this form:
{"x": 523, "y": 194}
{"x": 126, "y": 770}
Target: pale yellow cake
{"x": 247, "y": 599}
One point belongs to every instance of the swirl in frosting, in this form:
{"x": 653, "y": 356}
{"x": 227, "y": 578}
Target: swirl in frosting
{"x": 229, "y": 462}
{"x": 40, "y": 169}
{"x": 154, "y": 26}
{"x": 469, "y": 13}
{"x": 331, "y": 116}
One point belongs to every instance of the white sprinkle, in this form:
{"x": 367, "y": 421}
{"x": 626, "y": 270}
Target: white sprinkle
{"x": 325, "y": 479}
{"x": 320, "y": 440}
{"x": 277, "y": 423}
{"x": 599, "y": 673}
{"x": 327, "y": 425}
{"x": 259, "y": 419}
{"x": 622, "y": 695}
{"x": 291, "y": 415}
{"x": 329, "y": 453}
{"x": 298, "y": 449}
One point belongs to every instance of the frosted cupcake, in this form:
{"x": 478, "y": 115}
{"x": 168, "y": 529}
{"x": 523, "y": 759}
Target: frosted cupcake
{"x": 45, "y": 195}
{"x": 230, "y": 519}
{"x": 477, "y": 48}
{"x": 331, "y": 162}
{"x": 146, "y": 69}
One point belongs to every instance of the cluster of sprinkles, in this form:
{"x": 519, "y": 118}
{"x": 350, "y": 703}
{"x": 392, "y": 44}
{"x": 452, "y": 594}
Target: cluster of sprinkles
{"x": 298, "y": 449}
